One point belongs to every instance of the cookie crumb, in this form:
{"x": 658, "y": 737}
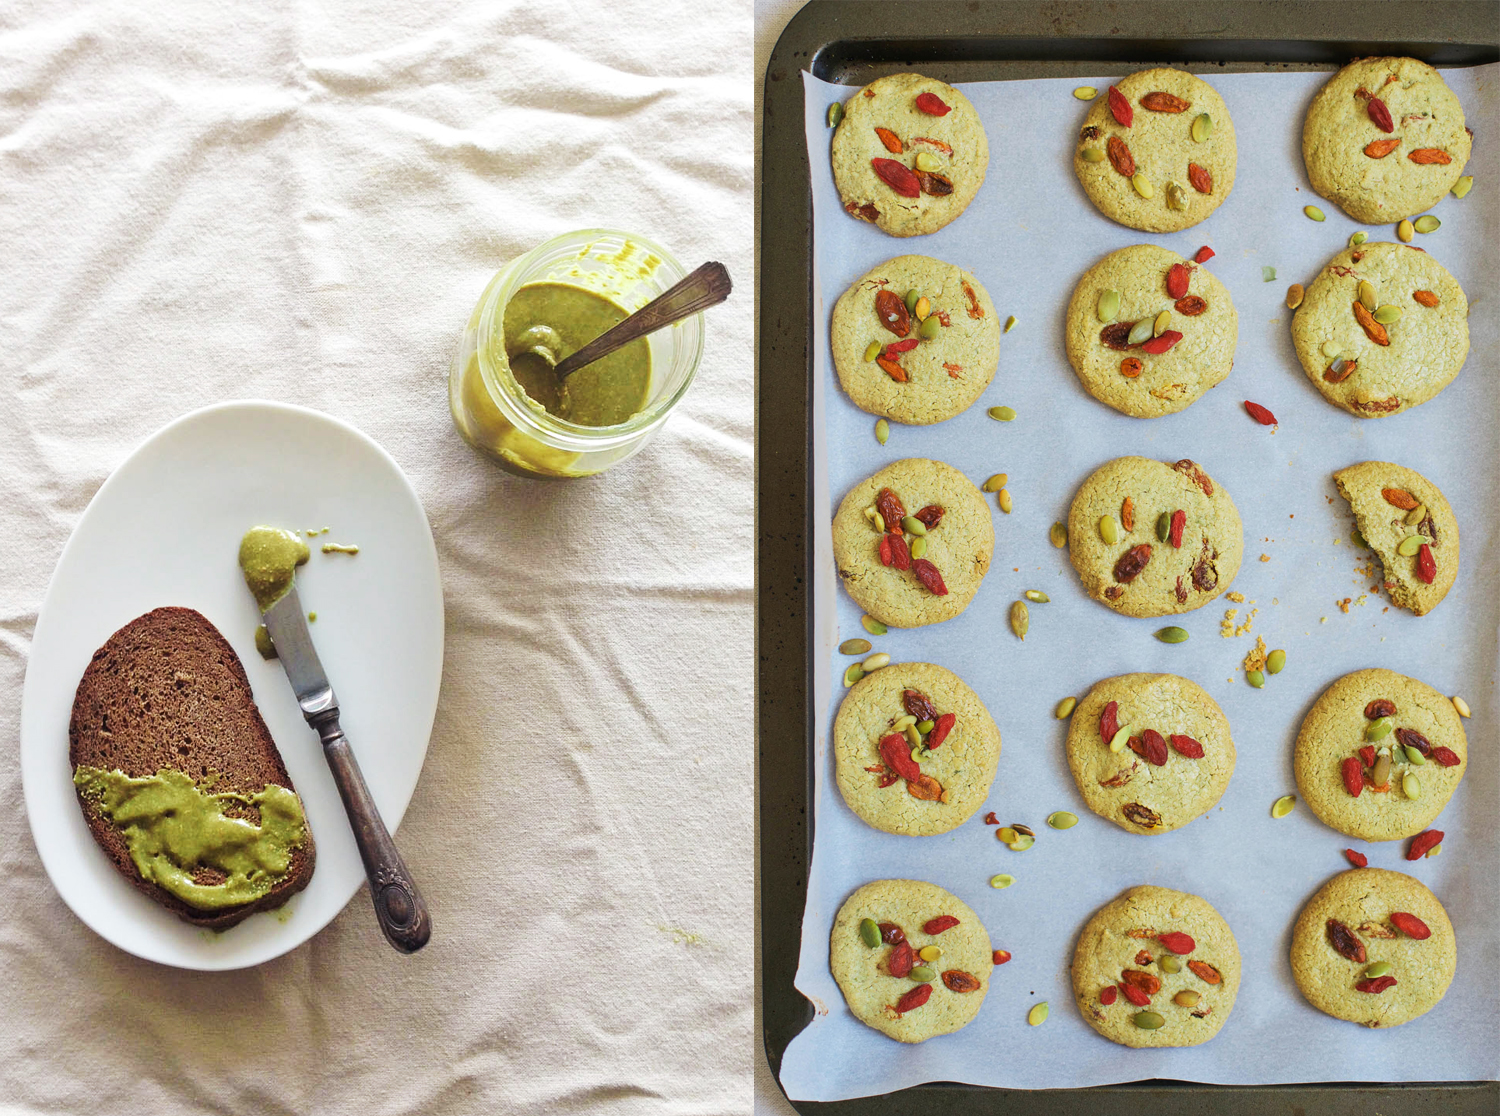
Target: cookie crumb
{"x": 1255, "y": 658}
{"x": 1238, "y": 598}
{"x": 1344, "y": 605}
{"x": 1265, "y": 557}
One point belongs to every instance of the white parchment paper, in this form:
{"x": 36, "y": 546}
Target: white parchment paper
{"x": 1028, "y": 237}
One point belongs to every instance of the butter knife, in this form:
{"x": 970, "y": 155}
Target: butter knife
{"x": 399, "y": 906}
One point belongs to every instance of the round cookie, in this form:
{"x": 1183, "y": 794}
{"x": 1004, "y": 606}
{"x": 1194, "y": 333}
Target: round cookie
{"x": 864, "y": 973}
{"x": 1335, "y": 731}
{"x": 963, "y": 763}
{"x": 1126, "y": 377}
{"x": 1426, "y": 345}
{"x": 958, "y": 548}
{"x": 1175, "y": 578}
{"x": 1362, "y": 902}
{"x": 1384, "y": 183}
{"x": 1110, "y": 946}
{"x": 1157, "y": 149}
{"x": 1128, "y": 786}
{"x": 953, "y": 141}
{"x": 943, "y": 376}
{"x": 1383, "y": 497}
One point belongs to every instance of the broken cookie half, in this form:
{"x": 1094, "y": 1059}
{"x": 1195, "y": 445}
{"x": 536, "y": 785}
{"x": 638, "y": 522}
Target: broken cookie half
{"x": 1407, "y": 522}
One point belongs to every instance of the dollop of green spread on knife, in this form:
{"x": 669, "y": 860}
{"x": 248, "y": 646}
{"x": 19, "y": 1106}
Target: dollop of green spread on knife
{"x": 269, "y": 558}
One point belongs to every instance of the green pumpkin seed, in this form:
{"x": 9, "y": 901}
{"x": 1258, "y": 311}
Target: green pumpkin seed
{"x": 835, "y": 113}
{"x": 1121, "y": 737}
{"x": 1020, "y": 620}
{"x": 1379, "y": 969}
{"x": 1411, "y": 786}
{"x": 1022, "y": 842}
{"x": 872, "y": 350}
{"x": 1172, "y": 635}
{"x": 927, "y": 161}
{"x": 1058, "y": 534}
{"x": 1085, "y": 92}
{"x": 930, "y": 327}
{"x": 924, "y": 727}
{"x": 1109, "y": 531}
{"x": 995, "y": 483}
{"x": 1380, "y": 728}
{"x": 1148, "y": 1020}
{"x": 1275, "y": 662}
{"x": 1061, "y": 819}
{"x": 921, "y": 974}
{"x": 1203, "y": 127}
{"x": 1142, "y": 185}
{"x": 1381, "y": 772}
{"x": 1426, "y": 223}
{"x": 1404, "y": 231}
{"x": 1109, "y": 305}
{"x": 900, "y": 723}
{"x": 869, "y": 932}
{"x": 1176, "y": 196}
{"x": 853, "y": 675}
{"x": 913, "y": 526}
{"x": 914, "y": 738}
{"x": 1037, "y": 596}
{"x": 1255, "y": 678}
{"x": 1010, "y": 324}
{"x": 1366, "y": 294}
{"x": 1002, "y": 880}
{"x": 1415, "y": 757}
{"x": 1163, "y": 320}
{"x": 1463, "y": 186}
{"x": 1416, "y": 515}
{"x": 1313, "y": 213}
{"x": 1187, "y": 998}
{"x": 1004, "y": 500}
{"x": 1358, "y": 540}
{"x": 1092, "y": 154}
{"x": 854, "y": 647}
{"x": 1038, "y": 1015}
{"x": 882, "y": 431}
{"x": 911, "y": 300}
{"x": 1387, "y": 314}
{"x": 1410, "y": 545}
{"x": 872, "y": 625}
{"x": 1283, "y": 805}
{"x": 1332, "y": 349}
{"x": 1169, "y": 964}
{"x": 919, "y": 547}
{"x": 1163, "y": 525}
{"x": 1002, "y": 414}
{"x": 1065, "y": 708}
{"x": 875, "y": 662}
{"x": 1462, "y": 706}
{"x": 1139, "y": 332}
{"x": 1267, "y": 274}
{"x": 1358, "y": 238}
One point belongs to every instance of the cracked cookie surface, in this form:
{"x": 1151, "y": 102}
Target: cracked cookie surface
{"x": 1384, "y": 528}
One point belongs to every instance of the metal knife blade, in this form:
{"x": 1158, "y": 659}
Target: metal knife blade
{"x": 287, "y": 624}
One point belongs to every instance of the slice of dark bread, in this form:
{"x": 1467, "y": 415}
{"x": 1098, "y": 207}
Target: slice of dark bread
{"x": 167, "y": 690}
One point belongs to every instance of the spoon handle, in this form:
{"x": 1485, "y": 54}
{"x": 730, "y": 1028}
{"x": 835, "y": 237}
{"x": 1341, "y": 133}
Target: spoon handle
{"x": 706, "y": 286}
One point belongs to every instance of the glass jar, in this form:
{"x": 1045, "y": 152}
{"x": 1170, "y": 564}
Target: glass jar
{"x": 491, "y": 409}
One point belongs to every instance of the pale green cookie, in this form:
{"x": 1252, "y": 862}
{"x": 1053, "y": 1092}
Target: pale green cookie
{"x": 1340, "y": 723}
{"x": 1125, "y": 786}
{"x": 1385, "y": 184}
{"x": 1123, "y": 937}
{"x": 1150, "y": 385}
{"x": 863, "y": 972}
{"x": 1362, "y": 901}
{"x": 1426, "y": 344}
{"x": 1174, "y": 579}
{"x": 959, "y": 547}
{"x": 963, "y": 763}
{"x": 1385, "y": 528}
{"x": 1161, "y": 148}
{"x": 944, "y": 375}
{"x": 953, "y": 143}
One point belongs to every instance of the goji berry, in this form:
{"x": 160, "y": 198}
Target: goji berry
{"x": 1116, "y": 335}
{"x": 1131, "y": 367}
{"x": 1177, "y": 281}
{"x": 887, "y": 779}
{"x": 937, "y": 925}
{"x": 1143, "y": 957}
{"x": 896, "y": 752}
{"x": 1186, "y": 746}
{"x": 900, "y": 552}
{"x": 991, "y": 819}
{"x": 934, "y": 184}
{"x": 1380, "y": 707}
{"x": 1410, "y": 925}
{"x": 931, "y": 515}
{"x": 1422, "y": 844}
{"x": 892, "y": 369}
{"x": 892, "y": 934}
{"x": 959, "y": 981}
{"x": 1376, "y": 985}
{"x": 1358, "y": 859}
{"x": 1345, "y": 941}
{"x": 1000, "y": 956}
{"x": 1354, "y": 778}
{"x": 892, "y": 312}
{"x": 1177, "y": 942}
{"x": 1135, "y": 995}
{"x": 892, "y": 141}
{"x": 1108, "y": 995}
{"x": 1260, "y": 414}
{"x": 1381, "y": 115}
{"x": 1158, "y": 345}
{"x": 884, "y": 549}
{"x": 940, "y": 730}
{"x": 1446, "y": 756}
{"x": 919, "y": 705}
{"x": 1190, "y": 307}
{"x": 1426, "y": 564}
{"x": 1429, "y": 155}
{"x": 925, "y": 787}
{"x": 1411, "y": 738}
{"x": 932, "y": 104}
{"x": 1109, "y": 721}
{"x": 1119, "y": 156}
{"x": 1204, "y": 254}
{"x": 1120, "y": 108}
{"x": 1202, "y": 181}
{"x": 1132, "y": 562}
{"x": 901, "y": 960}
{"x": 1367, "y": 754}
{"x": 1148, "y": 983}
{"x": 1206, "y": 972}
{"x": 898, "y": 177}
{"x": 1160, "y": 101}
{"x": 906, "y": 346}
{"x": 914, "y": 999}
{"x": 1174, "y": 534}
{"x": 928, "y": 575}
{"x": 1156, "y": 747}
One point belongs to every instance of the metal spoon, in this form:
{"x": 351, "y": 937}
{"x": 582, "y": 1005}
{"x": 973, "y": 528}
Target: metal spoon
{"x": 706, "y": 286}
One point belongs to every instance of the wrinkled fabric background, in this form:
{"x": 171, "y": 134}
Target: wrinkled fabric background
{"x": 300, "y": 201}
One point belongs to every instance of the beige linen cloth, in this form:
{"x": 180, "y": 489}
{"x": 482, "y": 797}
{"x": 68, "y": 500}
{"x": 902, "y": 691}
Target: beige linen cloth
{"x": 301, "y": 200}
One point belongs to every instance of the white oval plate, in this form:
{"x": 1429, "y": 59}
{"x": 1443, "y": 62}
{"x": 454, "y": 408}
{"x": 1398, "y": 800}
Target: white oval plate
{"x": 165, "y": 530}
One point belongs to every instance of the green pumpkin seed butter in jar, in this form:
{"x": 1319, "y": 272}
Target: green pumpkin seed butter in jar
{"x": 542, "y": 307}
